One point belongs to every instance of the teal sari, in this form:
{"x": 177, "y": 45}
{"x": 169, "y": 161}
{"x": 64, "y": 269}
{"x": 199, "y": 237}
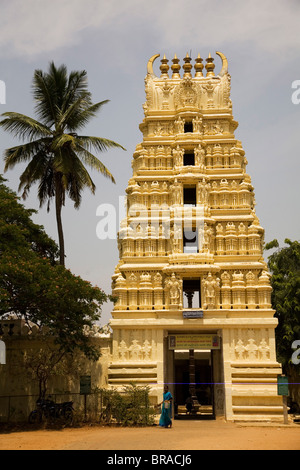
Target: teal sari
{"x": 166, "y": 412}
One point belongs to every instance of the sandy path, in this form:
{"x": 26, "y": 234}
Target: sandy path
{"x": 184, "y": 435}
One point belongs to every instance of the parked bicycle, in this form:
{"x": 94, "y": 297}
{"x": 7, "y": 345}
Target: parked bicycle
{"x": 48, "y": 410}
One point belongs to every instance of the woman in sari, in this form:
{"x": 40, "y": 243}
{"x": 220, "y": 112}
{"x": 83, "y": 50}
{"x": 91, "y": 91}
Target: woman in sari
{"x": 166, "y": 411}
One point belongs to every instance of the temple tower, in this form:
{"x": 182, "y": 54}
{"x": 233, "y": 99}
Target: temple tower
{"x": 193, "y": 294}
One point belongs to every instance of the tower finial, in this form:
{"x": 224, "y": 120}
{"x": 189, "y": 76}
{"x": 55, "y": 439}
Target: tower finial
{"x": 198, "y": 66}
{"x": 187, "y": 67}
{"x": 164, "y": 68}
{"x": 175, "y": 67}
{"x": 210, "y": 66}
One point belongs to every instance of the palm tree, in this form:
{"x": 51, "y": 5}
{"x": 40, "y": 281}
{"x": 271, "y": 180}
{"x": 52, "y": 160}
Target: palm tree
{"x": 57, "y": 156}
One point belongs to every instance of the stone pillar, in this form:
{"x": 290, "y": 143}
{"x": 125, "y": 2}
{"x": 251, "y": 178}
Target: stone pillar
{"x": 158, "y": 292}
{"x": 264, "y": 291}
{"x": 238, "y": 291}
{"x": 145, "y": 292}
{"x": 227, "y": 375}
{"x": 251, "y": 290}
{"x": 133, "y": 292}
{"x": 120, "y": 292}
{"x": 226, "y": 290}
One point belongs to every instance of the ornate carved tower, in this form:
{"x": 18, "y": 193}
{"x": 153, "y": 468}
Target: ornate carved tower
{"x": 191, "y": 275}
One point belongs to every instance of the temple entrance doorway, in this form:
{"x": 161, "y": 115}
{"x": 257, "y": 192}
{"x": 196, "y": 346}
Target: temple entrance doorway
{"x": 193, "y": 357}
{"x": 193, "y": 387}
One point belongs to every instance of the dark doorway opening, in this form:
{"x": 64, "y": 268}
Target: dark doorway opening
{"x": 189, "y": 159}
{"x": 188, "y": 127}
{"x": 193, "y": 392}
{"x": 189, "y": 196}
{"x": 191, "y": 293}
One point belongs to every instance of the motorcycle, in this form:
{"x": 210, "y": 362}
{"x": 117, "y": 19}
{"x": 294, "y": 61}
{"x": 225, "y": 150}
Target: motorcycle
{"x": 50, "y": 411}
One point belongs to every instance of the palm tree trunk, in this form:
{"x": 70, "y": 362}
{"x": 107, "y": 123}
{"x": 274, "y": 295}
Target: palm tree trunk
{"x": 58, "y": 207}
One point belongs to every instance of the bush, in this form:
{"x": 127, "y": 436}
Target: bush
{"x": 130, "y": 408}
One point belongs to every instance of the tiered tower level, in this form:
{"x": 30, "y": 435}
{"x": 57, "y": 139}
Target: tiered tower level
{"x": 191, "y": 258}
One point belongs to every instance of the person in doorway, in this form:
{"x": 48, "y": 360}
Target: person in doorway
{"x": 189, "y": 404}
{"x": 166, "y": 411}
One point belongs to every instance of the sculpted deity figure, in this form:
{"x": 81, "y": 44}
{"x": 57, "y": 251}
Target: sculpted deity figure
{"x": 211, "y": 285}
{"x": 133, "y": 280}
{"x": 178, "y": 157}
{"x": 197, "y": 124}
{"x": 174, "y": 287}
{"x": 176, "y": 239}
{"x": 203, "y": 192}
{"x": 157, "y": 279}
{"x": 123, "y": 350}
{"x": 250, "y": 277}
{"x": 135, "y": 350}
{"x": 179, "y": 125}
{"x": 225, "y": 278}
{"x": 200, "y": 157}
{"x": 146, "y": 349}
{"x": 217, "y": 129}
{"x": 177, "y": 192}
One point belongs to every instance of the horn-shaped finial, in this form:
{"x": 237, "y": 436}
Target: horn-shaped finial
{"x": 224, "y": 69}
{"x": 150, "y": 65}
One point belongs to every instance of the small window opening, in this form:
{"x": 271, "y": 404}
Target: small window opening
{"x": 188, "y": 127}
{"x": 189, "y": 159}
{"x": 191, "y": 293}
{"x": 189, "y": 196}
{"x": 190, "y": 241}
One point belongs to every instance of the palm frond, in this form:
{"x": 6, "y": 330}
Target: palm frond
{"x": 76, "y": 87}
{"x": 24, "y": 127}
{"x": 34, "y": 172}
{"x": 85, "y": 115}
{"x": 98, "y": 143}
{"x": 71, "y": 118}
{"x": 78, "y": 180}
{"x": 93, "y": 162}
{"x": 25, "y": 152}
{"x": 61, "y": 140}
{"x": 46, "y": 189}
{"x": 44, "y": 93}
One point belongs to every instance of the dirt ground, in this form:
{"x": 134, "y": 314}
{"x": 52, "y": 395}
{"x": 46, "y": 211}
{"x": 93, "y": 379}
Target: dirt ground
{"x": 184, "y": 435}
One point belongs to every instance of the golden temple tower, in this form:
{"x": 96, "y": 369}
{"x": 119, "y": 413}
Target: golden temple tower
{"x": 193, "y": 294}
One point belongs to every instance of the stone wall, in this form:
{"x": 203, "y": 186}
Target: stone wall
{"x": 19, "y": 389}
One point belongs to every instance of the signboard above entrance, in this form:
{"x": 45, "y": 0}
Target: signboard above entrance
{"x": 193, "y": 314}
{"x": 187, "y": 342}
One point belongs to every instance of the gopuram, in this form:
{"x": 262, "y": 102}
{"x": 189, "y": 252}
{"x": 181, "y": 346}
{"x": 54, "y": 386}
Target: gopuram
{"x": 193, "y": 293}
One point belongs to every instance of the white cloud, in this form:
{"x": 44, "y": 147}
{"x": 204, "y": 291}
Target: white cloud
{"x": 32, "y": 27}
{"x": 38, "y": 26}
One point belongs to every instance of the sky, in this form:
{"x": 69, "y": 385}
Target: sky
{"x": 113, "y": 41}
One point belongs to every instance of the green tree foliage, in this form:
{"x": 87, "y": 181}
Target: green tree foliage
{"x": 34, "y": 287}
{"x": 284, "y": 265}
{"x": 56, "y": 155}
